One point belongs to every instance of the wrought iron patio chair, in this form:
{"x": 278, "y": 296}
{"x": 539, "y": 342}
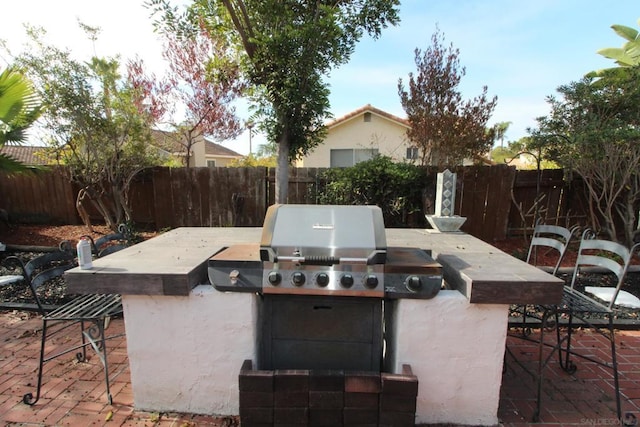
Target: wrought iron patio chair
{"x": 608, "y": 259}
{"x": 89, "y": 311}
{"x": 550, "y": 239}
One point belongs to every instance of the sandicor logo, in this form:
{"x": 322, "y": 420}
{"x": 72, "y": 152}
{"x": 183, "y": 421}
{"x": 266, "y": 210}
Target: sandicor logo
{"x": 322, "y": 226}
{"x": 629, "y": 419}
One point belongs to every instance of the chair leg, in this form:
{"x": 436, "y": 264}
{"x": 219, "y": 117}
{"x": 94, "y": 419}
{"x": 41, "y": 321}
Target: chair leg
{"x": 526, "y": 330}
{"x": 93, "y": 335}
{"x": 542, "y": 362}
{"x": 570, "y": 367}
{"x": 28, "y": 397}
{"x": 96, "y": 336}
{"x": 614, "y": 366}
{"x": 565, "y": 362}
{"x": 103, "y": 324}
{"x": 82, "y": 355}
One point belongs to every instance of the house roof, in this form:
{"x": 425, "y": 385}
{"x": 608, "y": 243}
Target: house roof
{"x": 168, "y": 142}
{"x": 213, "y": 149}
{"x": 37, "y": 155}
{"x": 365, "y": 109}
{"x": 26, "y": 154}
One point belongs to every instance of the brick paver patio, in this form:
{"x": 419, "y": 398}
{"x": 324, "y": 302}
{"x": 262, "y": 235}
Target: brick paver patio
{"x": 74, "y": 393}
{"x": 584, "y": 398}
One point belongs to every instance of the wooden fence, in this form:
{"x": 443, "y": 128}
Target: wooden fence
{"x": 41, "y": 197}
{"x": 496, "y": 200}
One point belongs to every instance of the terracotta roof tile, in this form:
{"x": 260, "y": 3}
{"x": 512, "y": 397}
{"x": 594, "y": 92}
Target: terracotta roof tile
{"x": 213, "y": 149}
{"x": 168, "y": 142}
{"x": 28, "y": 155}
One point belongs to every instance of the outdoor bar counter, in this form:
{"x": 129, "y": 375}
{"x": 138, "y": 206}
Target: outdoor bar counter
{"x": 186, "y": 341}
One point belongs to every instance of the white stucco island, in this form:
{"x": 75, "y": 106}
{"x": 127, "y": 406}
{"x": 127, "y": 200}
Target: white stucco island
{"x": 186, "y": 341}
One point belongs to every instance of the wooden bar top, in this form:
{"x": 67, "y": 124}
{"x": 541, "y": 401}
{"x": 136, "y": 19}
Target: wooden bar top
{"x": 175, "y": 262}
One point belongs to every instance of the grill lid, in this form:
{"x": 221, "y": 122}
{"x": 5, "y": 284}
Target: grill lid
{"x": 323, "y": 234}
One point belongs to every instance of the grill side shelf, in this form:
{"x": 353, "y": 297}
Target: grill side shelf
{"x": 411, "y": 273}
{"x": 236, "y": 268}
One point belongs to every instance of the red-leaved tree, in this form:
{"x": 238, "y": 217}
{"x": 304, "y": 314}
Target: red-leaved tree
{"x": 446, "y": 128}
{"x": 196, "y": 95}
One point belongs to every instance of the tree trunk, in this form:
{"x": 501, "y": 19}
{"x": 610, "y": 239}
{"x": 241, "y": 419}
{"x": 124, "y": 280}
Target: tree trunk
{"x": 282, "y": 171}
{"x": 629, "y": 220}
{"x": 95, "y": 196}
{"x": 104, "y": 211}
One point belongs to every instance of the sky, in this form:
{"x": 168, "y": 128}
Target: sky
{"x": 521, "y": 50}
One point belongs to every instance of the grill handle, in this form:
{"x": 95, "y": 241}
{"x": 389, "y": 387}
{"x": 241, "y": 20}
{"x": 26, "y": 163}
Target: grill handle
{"x": 321, "y": 260}
{"x": 378, "y": 256}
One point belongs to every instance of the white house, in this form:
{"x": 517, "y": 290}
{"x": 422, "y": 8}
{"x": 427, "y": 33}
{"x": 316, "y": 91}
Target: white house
{"x": 359, "y": 136}
{"x": 363, "y": 134}
{"x": 203, "y": 151}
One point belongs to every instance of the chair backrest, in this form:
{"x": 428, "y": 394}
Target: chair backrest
{"x": 550, "y": 237}
{"x": 105, "y": 245}
{"x": 47, "y": 261}
{"x": 611, "y": 256}
{"x": 42, "y": 269}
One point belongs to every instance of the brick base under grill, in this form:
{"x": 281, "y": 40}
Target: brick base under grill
{"x": 326, "y": 398}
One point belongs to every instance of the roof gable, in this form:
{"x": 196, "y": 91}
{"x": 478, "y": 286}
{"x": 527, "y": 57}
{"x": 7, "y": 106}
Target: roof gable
{"x": 368, "y": 109}
{"x": 170, "y": 142}
{"x": 213, "y": 149}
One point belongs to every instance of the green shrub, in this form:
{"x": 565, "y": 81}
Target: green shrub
{"x": 397, "y": 188}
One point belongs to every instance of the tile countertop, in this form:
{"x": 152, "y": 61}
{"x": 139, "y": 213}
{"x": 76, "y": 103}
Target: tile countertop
{"x": 175, "y": 262}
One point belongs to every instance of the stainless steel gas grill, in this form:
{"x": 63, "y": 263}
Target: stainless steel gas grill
{"x": 324, "y": 250}
{"x": 324, "y": 273}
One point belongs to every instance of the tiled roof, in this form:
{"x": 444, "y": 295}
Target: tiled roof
{"x": 26, "y": 154}
{"x": 30, "y": 155}
{"x": 213, "y": 149}
{"x": 368, "y": 108}
{"x": 168, "y": 142}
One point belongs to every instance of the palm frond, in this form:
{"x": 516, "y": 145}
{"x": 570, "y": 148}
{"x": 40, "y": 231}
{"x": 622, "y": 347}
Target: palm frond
{"x": 12, "y": 166}
{"x": 19, "y": 106}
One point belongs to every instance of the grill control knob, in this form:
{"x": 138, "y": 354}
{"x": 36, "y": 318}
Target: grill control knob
{"x": 371, "y": 282}
{"x": 274, "y": 278}
{"x": 414, "y": 283}
{"x": 322, "y": 279}
{"x": 346, "y": 280}
{"x": 297, "y": 278}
